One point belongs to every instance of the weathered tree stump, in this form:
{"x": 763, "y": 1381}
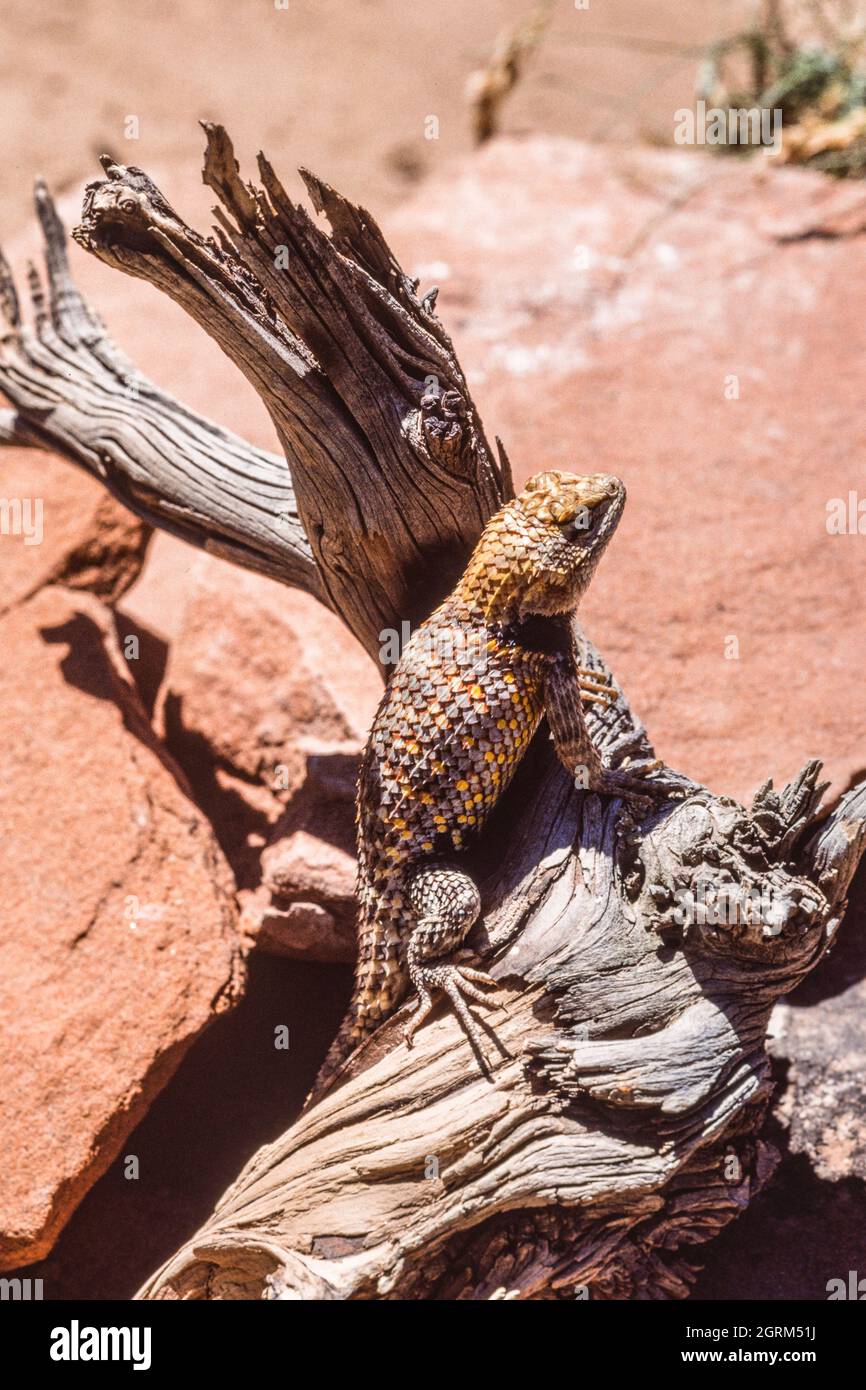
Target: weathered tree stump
{"x": 638, "y": 962}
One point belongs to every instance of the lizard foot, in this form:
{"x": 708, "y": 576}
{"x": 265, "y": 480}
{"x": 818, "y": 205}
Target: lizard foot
{"x": 459, "y": 982}
{"x": 447, "y": 904}
{"x": 637, "y": 788}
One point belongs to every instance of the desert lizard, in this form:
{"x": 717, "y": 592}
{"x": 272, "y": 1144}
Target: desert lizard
{"x": 459, "y": 711}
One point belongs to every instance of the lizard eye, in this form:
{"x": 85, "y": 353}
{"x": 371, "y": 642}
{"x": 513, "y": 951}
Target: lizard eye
{"x": 578, "y": 525}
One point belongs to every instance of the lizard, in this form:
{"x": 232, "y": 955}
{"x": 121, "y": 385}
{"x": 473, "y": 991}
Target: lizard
{"x": 459, "y": 711}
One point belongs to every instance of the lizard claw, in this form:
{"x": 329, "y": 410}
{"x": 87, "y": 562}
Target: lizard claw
{"x": 459, "y": 982}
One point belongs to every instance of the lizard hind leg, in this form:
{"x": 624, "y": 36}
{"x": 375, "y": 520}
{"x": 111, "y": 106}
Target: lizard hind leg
{"x": 445, "y": 904}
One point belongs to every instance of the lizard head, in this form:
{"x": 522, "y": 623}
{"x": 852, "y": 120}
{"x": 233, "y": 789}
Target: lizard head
{"x": 538, "y": 554}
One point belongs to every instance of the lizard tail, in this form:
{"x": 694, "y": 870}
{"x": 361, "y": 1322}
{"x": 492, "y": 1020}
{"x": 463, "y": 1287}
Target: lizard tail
{"x": 338, "y": 1053}
{"x": 381, "y": 982}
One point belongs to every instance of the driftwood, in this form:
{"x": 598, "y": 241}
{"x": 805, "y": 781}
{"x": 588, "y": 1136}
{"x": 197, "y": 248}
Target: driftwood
{"x": 638, "y": 962}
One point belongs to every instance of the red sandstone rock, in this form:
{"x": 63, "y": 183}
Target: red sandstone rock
{"x": 265, "y": 699}
{"x": 300, "y": 931}
{"x": 264, "y": 674}
{"x": 303, "y": 865}
{"x": 819, "y": 1033}
{"x": 305, "y": 906}
{"x": 116, "y": 913}
{"x": 57, "y": 524}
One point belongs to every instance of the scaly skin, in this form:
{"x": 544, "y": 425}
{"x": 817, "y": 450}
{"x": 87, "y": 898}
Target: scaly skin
{"x": 458, "y": 714}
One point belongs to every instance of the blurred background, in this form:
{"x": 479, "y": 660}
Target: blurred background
{"x": 692, "y": 318}
{"x": 342, "y": 87}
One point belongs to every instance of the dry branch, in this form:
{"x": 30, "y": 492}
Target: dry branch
{"x": 630, "y": 1080}
{"x": 638, "y": 962}
{"x": 76, "y": 393}
{"x": 392, "y": 473}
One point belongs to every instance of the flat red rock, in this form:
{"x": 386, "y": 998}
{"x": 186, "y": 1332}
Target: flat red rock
{"x": 117, "y": 924}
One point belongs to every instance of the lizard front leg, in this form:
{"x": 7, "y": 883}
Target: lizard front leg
{"x": 445, "y": 904}
{"x": 576, "y": 750}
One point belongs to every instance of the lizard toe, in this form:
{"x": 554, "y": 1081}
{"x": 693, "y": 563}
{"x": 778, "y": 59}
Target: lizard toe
{"x": 459, "y": 982}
